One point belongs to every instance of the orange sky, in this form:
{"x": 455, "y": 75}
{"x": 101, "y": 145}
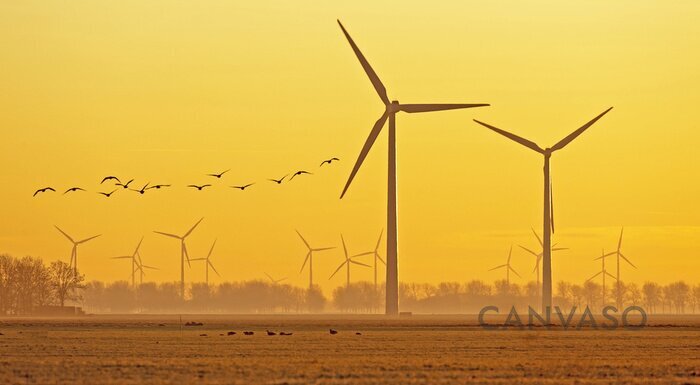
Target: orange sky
{"x": 165, "y": 92}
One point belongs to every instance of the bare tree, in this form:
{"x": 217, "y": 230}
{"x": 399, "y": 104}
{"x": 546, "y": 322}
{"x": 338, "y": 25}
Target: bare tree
{"x": 65, "y": 282}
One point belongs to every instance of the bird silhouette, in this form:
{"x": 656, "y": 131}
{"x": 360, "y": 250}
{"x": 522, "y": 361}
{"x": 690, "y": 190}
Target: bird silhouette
{"x": 249, "y": 333}
{"x": 124, "y": 185}
{"x": 143, "y": 189}
{"x": 300, "y": 172}
{"x": 41, "y": 190}
{"x": 332, "y": 331}
{"x": 329, "y": 161}
{"x": 219, "y": 175}
{"x": 243, "y": 187}
{"x": 73, "y": 189}
{"x": 286, "y": 333}
{"x": 109, "y": 194}
{"x": 269, "y": 333}
{"x": 110, "y": 178}
{"x": 199, "y": 187}
{"x": 159, "y": 186}
{"x": 278, "y": 181}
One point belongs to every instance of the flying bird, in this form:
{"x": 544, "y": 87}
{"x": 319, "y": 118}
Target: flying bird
{"x": 73, "y": 189}
{"x": 219, "y": 175}
{"x": 278, "y": 181}
{"x": 124, "y": 185}
{"x": 300, "y": 172}
{"x": 329, "y": 161}
{"x": 199, "y": 187}
{"x": 110, "y": 178}
{"x": 243, "y": 187}
{"x": 41, "y": 190}
{"x": 143, "y": 189}
{"x": 109, "y": 194}
{"x": 159, "y": 186}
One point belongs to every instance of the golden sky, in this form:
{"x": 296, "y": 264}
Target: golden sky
{"x": 168, "y": 91}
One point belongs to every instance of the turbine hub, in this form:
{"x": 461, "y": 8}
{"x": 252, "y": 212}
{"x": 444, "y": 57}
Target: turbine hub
{"x": 393, "y": 107}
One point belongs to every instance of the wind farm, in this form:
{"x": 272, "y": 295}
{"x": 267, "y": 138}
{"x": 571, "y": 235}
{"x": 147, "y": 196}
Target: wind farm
{"x": 330, "y": 230}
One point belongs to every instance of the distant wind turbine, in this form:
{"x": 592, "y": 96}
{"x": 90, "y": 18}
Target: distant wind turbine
{"x": 183, "y": 254}
{"x": 348, "y": 261}
{"x": 548, "y": 222}
{"x": 618, "y": 254}
{"x": 390, "y": 110}
{"x": 538, "y": 257}
{"x": 74, "y": 252}
{"x": 134, "y": 262}
{"x": 275, "y": 281}
{"x": 208, "y": 263}
{"x": 310, "y": 258}
{"x": 508, "y": 267}
{"x": 603, "y": 272}
{"x": 140, "y": 266}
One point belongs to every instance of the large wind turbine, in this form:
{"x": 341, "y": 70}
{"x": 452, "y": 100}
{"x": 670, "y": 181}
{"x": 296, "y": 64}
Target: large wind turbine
{"x": 74, "y": 252}
{"x": 390, "y": 110}
{"x": 508, "y": 267}
{"x": 310, "y": 258}
{"x": 603, "y": 272}
{"x": 208, "y": 262}
{"x": 539, "y": 257}
{"x": 547, "y": 223}
{"x": 183, "y": 254}
{"x": 618, "y": 254}
{"x": 348, "y": 260}
{"x": 134, "y": 262}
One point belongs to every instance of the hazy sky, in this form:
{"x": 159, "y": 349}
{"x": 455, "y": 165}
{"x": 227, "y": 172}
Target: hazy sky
{"x": 168, "y": 91}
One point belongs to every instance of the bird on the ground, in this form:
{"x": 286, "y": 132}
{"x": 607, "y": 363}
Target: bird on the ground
{"x": 110, "y": 178}
{"x": 358, "y": 333}
{"x": 249, "y": 333}
{"x": 143, "y": 189}
{"x": 124, "y": 185}
{"x": 333, "y": 331}
{"x": 231, "y": 333}
{"x": 300, "y": 172}
{"x": 199, "y": 187}
{"x": 109, "y": 194}
{"x": 269, "y": 333}
{"x": 159, "y": 186}
{"x": 329, "y": 161}
{"x": 219, "y": 175}
{"x": 285, "y": 334}
{"x": 278, "y": 181}
{"x": 243, "y": 187}
{"x": 73, "y": 189}
{"x": 41, "y": 190}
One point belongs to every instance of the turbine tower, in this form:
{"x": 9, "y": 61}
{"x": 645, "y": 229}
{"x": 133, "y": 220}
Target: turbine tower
{"x": 603, "y": 271}
{"x": 183, "y": 254}
{"x": 140, "y": 266}
{"x": 539, "y": 257}
{"x": 618, "y": 254}
{"x": 134, "y": 262}
{"x": 310, "y": 258}
{"x": 548, "y": 222}
{"x": 391, "y": 107}
{"x": 74, "y": 252}
{"x": 348, "y": 260}
{"x": 208, "y": 262}
{"x": 507, "y": 267}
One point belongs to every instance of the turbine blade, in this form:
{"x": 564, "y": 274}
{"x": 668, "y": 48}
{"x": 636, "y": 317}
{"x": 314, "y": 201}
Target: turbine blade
{"x": 381, "y": 260}
{"x": 379, "y": 240}
{"x": 268, "y": 276}
{"x": 213, "y": 268}
{"x": 198, "y": 259}
{"x": 303, "y": 265}
{"x": 498, "y": 267}
{"x": 193, "y": 227}
{"x": 619, "y": 242}
{"x": 338, "y": 269}
{"x": 64, "y": 233}
{"x": 323, "y": 249}
{"x": 596, "y": 274}
{"x": 627, "y": 260}
{"x": 578, "y": 132}
{"x": 345, "y": 249}
{"x": 187, "y": 255}
{"x": 362, "y": 254}
{"x": 365, "y": 149}
{"x": 378, "y": 86}
{"x": 510, "y": 254}
{"x": 514, "y": 272}
{"x": 610, "y": 275}
{"x": 529, "y": 251}
{"x": 167, "y": 235}
{"x": 88, "y": 239}
{"x": 122, "y": 257}
{"x": 537, "y": 263}
{"x": 560, "y": 248}
{"x": 138, "y": 246}
{"x": 303, "y": 240}
{"x": 412, "y": 108}
{"x": 148, "y": 267}
{"x": 529, "y": 144}
{"x": 360, "y": 263}
{"x": 537, "y": 236}
{"x": 212, "y": 249}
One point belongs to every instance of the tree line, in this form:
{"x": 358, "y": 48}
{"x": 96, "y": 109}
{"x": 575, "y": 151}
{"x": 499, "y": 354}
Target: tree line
{"x": 28, "y": 285}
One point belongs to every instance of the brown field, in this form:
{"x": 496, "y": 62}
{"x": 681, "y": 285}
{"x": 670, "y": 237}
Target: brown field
{"x": 418, "y": 349}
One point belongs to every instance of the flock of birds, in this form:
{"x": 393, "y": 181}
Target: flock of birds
{"x": 250, "y": 333}
{"x": 199, "y": 187}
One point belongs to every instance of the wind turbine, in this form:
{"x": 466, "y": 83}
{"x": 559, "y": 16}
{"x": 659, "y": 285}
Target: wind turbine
{"x": 74, "y": 252}
{"x": 183, "y": 254}
{"x": 209, "y": 264}
{"x": 275, "y": 281}
{"x": 134, "y": 262}
{"x": 390, "y": 110}
{"x": 348, "y": 260}
{"x": 618, "y": 253}
{"x": 539, "y": 256}
{"x": 507, "y": 267}
{"x": 377, "y": 258}
{"x": 310, "y": 258}
{"x": 140, "y": 266}
{"x": 548, "y": 222}
{"x": 603, "y": 272}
